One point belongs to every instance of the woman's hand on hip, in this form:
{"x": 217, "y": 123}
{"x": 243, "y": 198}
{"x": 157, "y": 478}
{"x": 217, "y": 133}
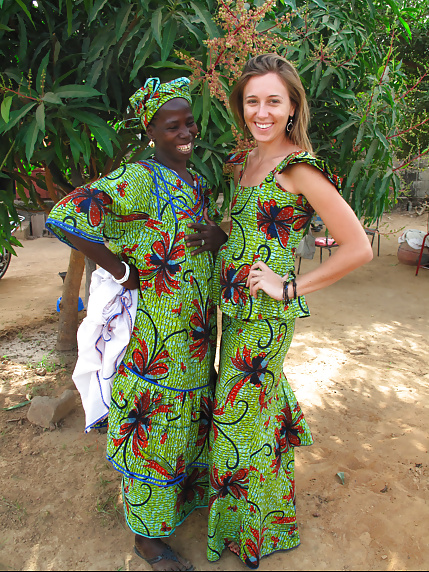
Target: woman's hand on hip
{"x": 208, "y": 236}
{"x": 261, "y": 277}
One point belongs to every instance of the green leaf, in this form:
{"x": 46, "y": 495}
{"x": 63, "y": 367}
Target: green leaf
{"x": 86, "y": 151}
{"x": 17, "y": 406}
{"x": 69, "y": 8}
{"x": 141, "y": 58}
{"x": 17, "y": 115}
{"x": 360, "y": 134}
{"x": 76, "y": 91}
{"x": 384, "y": 185}
{"x": 194, "y": 30}
{"x": 23, "y": 40}
{"x": 370, "y": 183}
{"x": 406, "y": 27}
{"x": 226, "y": 137}
{"x": 345, "y": 126}
{"x": 40, "y": 117}
{"x": 201, "y": 167}
{"x": 197, "y": 107}
{"x": 324, "y": 82}
{"x": 207, "y": 19}
{"x": 122, "y": 20}
{"x": 75, "y": 142}
{"x": 354, "y": 171}
{"x": 50, "y": 97}
{"x": 90, "y": 119}
{"x": 5, "y": 108}
{"x": 31, "y": 139}
{"x": 168, "y": 37}
{"x": 97, "y": 6}
{"x": 382, "y": 138}
{"x": 43, "y": 66}
{"x": 370, "y": 153}
{"x": 320, "y": 3}
{"x": 171, "y": 65}
{"x": 103, "y": 139}
{"x": 24, "y": 7}
{"x": 344, "y": 93}
{"x": 155, "y": 24}
{"x": 206, "y": 109}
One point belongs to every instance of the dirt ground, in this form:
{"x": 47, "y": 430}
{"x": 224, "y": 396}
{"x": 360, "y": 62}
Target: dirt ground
{"x": 359, "y": 367}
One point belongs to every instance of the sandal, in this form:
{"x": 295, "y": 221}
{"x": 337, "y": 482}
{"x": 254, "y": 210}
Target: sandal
{"x": 166, "y": 554}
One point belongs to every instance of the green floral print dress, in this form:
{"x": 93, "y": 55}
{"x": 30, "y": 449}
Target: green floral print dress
{"x": 257, "y": 421}
{"x": 159, "y": 414}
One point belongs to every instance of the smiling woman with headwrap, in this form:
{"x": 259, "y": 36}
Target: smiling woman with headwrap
{"x": 161, "y": 397}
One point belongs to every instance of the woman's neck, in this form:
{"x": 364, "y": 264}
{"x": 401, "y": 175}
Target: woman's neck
{"x": 268, "y": 150}
{"x": 179, "y": 167}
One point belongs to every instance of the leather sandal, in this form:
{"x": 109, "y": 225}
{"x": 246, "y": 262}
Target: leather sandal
{"x": 167, "y": 554}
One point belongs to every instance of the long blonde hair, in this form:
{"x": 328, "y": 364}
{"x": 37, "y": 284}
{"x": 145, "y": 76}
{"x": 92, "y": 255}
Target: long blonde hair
{"x": 273, "y": 63}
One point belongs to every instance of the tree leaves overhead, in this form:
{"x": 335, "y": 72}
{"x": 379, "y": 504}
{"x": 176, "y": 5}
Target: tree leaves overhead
{"x": 69, "y": 68}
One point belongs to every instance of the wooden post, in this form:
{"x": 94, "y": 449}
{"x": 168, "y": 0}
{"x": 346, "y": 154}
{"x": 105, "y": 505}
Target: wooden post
{"x": 67, "y": 327}
{"x": 90, "y": 266}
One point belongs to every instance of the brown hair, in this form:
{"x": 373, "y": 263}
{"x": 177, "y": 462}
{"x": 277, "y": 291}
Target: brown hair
{"x": 273, "y": 63}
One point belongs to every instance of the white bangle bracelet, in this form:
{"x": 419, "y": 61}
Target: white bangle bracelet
{"x": 125, "y": 276}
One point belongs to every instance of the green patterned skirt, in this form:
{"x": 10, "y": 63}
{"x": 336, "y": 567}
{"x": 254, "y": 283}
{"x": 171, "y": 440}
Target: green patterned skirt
{"x": 257, "y": 422}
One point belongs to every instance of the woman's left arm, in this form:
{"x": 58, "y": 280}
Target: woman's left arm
{"x": 354, "y": 250}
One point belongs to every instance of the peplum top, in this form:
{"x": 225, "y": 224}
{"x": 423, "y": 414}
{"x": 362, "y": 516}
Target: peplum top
{"x": 267, "y": 223}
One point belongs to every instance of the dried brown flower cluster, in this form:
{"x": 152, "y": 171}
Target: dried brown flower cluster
{"x": 240, "y": 40}
{"x": 227, "y": 54}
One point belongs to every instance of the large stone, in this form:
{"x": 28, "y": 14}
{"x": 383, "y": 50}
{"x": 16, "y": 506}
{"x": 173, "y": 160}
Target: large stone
{"x": 46, "y": 411}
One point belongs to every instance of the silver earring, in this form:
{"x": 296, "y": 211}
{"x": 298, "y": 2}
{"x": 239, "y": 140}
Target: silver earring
{"x": 151, "y": 143}
{"x": 289, "y": 125}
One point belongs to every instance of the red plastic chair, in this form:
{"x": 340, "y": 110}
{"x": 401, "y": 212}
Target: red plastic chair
{"x": 325, "y": 242}
{"x": 419, "y": 264}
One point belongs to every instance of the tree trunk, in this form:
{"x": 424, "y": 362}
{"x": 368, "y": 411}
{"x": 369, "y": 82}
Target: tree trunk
{"x": 67, "y": 327}
{"x": 90, "y": 266}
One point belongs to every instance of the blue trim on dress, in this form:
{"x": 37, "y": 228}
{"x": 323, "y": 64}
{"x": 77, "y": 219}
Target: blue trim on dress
{"x": 170, "y": 532}
{"x": 72, "y": 230}
{"x": 92, "y": 425}
{"x": 163, "y": 386}
{"x": 174, "y": 201}
{"x": 162, "y": 483}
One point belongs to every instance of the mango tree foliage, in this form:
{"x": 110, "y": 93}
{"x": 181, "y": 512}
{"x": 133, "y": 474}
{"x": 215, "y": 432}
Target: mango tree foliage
{"x": 414, "y": 129}
{"x": 346, "y": 56}
{"x": 68, "y": 69}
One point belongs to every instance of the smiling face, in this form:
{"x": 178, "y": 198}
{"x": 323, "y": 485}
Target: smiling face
{"x": 267, "y": 107}
{"x": 173, "y": 129}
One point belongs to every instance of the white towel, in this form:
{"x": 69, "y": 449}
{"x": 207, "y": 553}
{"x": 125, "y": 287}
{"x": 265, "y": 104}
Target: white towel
{"x": 102, "y": 340}
{"x": 414, "y": 238}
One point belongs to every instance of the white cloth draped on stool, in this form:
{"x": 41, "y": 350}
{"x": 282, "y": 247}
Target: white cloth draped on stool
{"x": 102, "y": 340}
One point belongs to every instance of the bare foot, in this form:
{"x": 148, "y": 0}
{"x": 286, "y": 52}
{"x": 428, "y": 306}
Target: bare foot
{"x": 153, "y": 547}
{"x": 233, "y": 547}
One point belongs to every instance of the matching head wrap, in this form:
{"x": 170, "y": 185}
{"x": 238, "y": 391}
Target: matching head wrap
{"x": 148, "y": 99}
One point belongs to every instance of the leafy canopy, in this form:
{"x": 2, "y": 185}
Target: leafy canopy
{"x": 69, "y": 67}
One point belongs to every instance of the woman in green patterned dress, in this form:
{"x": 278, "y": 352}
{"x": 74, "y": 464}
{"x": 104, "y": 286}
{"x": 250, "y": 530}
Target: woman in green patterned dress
{"x": 257, "y": 421}
{"x": 159, "y": 411}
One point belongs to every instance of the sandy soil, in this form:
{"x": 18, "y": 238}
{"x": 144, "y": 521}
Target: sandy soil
{"x": 359, "y": 367}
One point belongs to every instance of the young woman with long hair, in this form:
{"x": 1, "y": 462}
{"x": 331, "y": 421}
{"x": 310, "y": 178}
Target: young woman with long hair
{"x": 257, "y": 421}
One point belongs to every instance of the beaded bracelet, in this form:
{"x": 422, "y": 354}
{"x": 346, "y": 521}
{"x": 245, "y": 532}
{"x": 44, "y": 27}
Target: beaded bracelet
{"x": 294, "y": 289}
{"x": 286, "y": 293}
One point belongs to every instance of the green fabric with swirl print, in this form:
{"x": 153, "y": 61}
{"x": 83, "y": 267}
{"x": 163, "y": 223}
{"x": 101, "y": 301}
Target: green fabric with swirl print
{"x": 160, "y": 408}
